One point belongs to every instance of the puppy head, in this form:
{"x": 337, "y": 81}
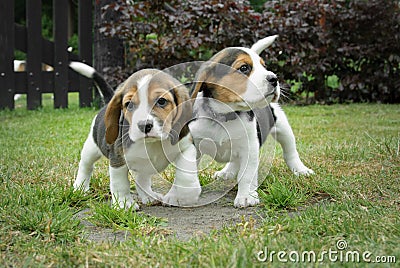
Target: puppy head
{"x": 237, "y": 76}
{"x": 153, "y": 103}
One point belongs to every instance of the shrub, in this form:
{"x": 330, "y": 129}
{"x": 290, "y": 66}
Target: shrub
{"x": 330, "y": 51}
{"x": 161, "y": 34}
{"x": 364, "y": 50}
{"x": 356, "y": 41}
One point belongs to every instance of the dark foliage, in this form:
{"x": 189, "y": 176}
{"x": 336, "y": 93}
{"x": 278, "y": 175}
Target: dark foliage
{"x": 358, "y": 41}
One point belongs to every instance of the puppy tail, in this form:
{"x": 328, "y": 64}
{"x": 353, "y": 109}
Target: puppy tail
{"x": 104, "y": 88}
{"x": 262, "y": 44}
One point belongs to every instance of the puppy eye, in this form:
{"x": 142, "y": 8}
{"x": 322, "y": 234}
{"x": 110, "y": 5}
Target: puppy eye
{"x": 245, "y": 69}
{"x": 161, "y": 102}
{"x": 129, "y": 105}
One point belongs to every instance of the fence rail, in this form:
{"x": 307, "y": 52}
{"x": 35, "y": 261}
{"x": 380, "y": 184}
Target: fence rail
{"x": 34, "y": 81}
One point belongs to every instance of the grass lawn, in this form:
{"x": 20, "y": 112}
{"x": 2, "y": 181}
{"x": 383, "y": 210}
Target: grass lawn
{"x": 348, "y": 211}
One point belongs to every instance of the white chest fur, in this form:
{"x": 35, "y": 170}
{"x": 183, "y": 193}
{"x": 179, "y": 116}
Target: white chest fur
{"x": 224, "y": 140}
{"x": 150, "y": 156}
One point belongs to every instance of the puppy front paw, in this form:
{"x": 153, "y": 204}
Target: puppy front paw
{"x": 224, "y": 174}
{"x": 151, "y": 198}
{"x": 182, "y": 196}
{"x": 126, "y": 202}
{"x": 247, "y": 200}
{"x": 298, "y": 168}
{"x": 81, "y": 185}
{"x": 303, "y": 171}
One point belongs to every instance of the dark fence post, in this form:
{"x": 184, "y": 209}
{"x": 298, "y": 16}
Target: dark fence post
{"x": 7, "y": 37}
{"x": 34, "y": 82}
{"x": 60, "y": 19}
{"x": 85, "y": 49}
{"x": 34, "y": 52}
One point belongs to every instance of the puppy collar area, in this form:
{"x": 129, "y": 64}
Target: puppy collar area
{"x": 225, "y": 117}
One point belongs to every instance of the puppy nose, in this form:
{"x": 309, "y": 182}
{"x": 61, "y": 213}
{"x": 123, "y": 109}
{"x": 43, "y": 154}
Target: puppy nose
{"x": 145, "y": 126}
{"x": 272, "y": 79}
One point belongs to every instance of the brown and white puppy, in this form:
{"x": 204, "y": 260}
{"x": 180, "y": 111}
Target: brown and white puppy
{"x": 235, "y": 109}
{"x": 141, "y": 129}
{"x": 20, "y": 66}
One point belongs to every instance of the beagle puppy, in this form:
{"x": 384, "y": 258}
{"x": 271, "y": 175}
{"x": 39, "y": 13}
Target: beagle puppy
{"x": 20, "y": 66}
{"x": 142, "y": 128}
{"x": 235, "y": 108}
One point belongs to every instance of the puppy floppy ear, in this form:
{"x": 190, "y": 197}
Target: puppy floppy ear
{"x": 199, "y": 83}
{"x": 112, "y": 116}
{"x": 183, "y": 115}
{"x": 262, "y": 44}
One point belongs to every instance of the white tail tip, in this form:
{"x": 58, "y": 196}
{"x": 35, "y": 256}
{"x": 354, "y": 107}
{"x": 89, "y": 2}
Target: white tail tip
{"x": 262, "y": 44}
{"x": 82, "y": 68}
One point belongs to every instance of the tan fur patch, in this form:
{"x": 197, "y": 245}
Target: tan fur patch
{"x": 230, "y": 87}
{"x": 21, "y": 67}
{"x": 242, "y": 59}
{"x": 225, "y": 83}
{"x": 262, "y": 62}
{"x": 111, "y": 118}
{"x": 159, "y": 90}
{"x": 234, "y": 84}
{"x": 133, "y": 97}
{"x": 183, "y": 113}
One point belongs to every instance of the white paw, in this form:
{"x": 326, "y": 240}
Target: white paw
{"x": 224, "y": 174}
{"x": 81, "y": 186}
{"x": 150, "y": 198}
{"x": 246, "y": 201}
{"x": 125, "y": 203}
{"x": 182, "y": 196}
{"x": 303, "y": 171}
{"x": 298, "y": 168}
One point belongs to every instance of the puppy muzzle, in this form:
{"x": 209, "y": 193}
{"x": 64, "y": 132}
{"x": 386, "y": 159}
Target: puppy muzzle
{"x": 145, "y": 126}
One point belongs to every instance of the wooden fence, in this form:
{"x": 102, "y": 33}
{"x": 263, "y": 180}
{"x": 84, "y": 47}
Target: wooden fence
{"x": 34, "y": 81}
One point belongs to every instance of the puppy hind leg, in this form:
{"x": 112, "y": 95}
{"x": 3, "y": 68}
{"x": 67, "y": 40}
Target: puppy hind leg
{"x": 283, "y": 133}
{"x": 89, "y": 155}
